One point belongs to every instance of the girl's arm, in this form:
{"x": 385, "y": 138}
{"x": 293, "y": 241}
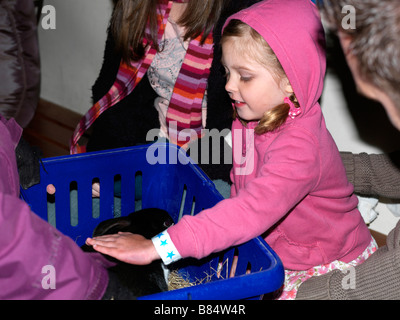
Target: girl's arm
{"x": 289, "y": 171}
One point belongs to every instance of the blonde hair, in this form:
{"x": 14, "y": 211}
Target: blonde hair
{"x": 254, "y": 45}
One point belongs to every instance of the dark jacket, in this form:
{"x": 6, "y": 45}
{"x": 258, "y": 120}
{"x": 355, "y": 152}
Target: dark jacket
{"x": 19, "y": 60}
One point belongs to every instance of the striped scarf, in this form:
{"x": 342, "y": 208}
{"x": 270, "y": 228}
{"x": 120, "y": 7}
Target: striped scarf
{"x": 185, "y": 107}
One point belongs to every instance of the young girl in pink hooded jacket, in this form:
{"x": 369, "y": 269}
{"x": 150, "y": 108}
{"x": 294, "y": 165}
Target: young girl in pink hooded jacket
{"x": 289, "y": 183}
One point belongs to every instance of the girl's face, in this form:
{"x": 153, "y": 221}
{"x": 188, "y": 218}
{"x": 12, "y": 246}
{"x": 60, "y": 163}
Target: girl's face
{"x": 250, "y": 84}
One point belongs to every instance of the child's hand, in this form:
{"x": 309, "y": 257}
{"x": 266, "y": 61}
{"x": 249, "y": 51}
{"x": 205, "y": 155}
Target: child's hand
{"x": 96, "y": 189}
{"x": 126, "y": 247}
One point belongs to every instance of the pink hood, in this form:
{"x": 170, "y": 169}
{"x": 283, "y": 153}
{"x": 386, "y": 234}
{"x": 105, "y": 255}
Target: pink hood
{"x": 305, "y": 67}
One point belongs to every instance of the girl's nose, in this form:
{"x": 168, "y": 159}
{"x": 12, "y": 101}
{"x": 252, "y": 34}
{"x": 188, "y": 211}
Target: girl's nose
{"x": 230, "y": 87}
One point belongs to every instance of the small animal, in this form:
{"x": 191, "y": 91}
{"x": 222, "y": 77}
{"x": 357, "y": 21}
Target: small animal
{"x": 141, "y": 280}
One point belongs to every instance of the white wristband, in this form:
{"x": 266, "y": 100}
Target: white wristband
{"x": 165, "y": 248}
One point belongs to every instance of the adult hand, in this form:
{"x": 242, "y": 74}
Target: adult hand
{"x": 51, "y": 189}
{"x": 96, "y": 189}
{"x": 127, "y": 247}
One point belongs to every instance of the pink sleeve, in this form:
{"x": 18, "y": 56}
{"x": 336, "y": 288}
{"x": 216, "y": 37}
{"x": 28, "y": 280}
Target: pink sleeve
{"x": 284, "y": 179}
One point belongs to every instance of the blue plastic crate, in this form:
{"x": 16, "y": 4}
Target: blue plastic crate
{"x": 158, "y": 175}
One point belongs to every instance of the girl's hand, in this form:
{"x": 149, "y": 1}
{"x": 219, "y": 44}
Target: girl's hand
{"x": 127, "y": 247}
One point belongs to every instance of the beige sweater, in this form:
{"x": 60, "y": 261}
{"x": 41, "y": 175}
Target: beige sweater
{"x": 378, "y": 277}
{"x": 376, "y": 175}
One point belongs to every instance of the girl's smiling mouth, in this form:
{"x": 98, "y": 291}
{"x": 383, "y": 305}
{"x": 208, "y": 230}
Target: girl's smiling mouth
{"x": 239, "y": 104}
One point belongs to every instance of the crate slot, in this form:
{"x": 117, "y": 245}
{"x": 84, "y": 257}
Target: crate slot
{"x": 183, "y": 200}
{"x": 248, "y": 268}
{"x": 193, "y": 206}
{"x": 73, "y": 203}
{"x": 234, "y": 263}
{"x": 222, "y": 264}
{"x": 95, "y": 201}
{"x": 117, "y": 196}
{"x": 138, "y": 190}
{"x": 51, "y": 206}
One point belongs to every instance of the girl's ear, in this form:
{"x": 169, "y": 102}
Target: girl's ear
{"x": 287, "y": 87}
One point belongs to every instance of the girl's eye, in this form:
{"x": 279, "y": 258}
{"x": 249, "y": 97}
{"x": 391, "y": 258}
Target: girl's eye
{"x": 245, "y": 79}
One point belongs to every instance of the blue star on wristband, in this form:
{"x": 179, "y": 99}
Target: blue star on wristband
{"x": 166, "y": 248}
{"x": 160, "y": 235}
